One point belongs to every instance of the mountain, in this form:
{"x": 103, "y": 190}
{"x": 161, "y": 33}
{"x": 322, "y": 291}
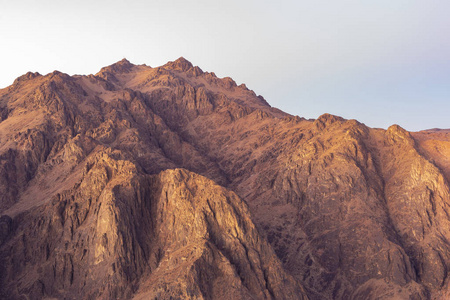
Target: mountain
{"x": 172, "y": 183}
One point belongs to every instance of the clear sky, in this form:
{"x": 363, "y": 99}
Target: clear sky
{"x": 380, "y": 62}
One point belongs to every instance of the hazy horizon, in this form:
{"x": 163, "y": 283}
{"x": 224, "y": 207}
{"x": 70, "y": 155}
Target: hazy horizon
{"x": 380, "y": 63}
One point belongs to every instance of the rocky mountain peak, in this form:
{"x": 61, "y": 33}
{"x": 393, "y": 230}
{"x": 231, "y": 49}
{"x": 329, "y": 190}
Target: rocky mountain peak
{"x": 181, "y": 64}
{"x": 397, "y": 134}
{"x": 122, "y": 66}
{"x": 326, "y": 120}
{"x": 27, "y": 76}
{"x": 169, "y": 183}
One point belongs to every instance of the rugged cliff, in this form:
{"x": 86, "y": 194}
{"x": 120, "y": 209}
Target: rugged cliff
{"x": 170, "y": 182}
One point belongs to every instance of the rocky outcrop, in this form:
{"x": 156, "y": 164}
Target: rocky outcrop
{"x": 208, "y": 243}
{"x": 121, "y": 234}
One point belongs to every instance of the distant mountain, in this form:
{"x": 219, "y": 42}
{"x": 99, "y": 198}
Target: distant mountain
{"x": 172, "y": 183}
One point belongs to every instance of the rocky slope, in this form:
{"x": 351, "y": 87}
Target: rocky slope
{"x": 93, "y": 202}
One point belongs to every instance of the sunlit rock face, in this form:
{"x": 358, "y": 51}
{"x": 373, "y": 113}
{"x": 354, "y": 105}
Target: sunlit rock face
{"x": 172, "y": 183}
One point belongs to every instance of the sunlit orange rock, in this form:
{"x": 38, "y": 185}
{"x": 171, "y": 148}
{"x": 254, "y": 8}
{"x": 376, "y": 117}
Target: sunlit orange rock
{"x": 172, "y": 183}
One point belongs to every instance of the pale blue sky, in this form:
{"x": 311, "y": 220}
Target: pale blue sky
{"x": 380, "y": 62}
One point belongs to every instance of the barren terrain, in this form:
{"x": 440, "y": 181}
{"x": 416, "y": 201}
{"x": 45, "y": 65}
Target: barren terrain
{"x": 172, "y": 183}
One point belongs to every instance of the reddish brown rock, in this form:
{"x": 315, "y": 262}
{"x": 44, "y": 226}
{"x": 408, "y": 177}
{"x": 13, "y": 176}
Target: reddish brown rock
{"x": 94, "y": 203}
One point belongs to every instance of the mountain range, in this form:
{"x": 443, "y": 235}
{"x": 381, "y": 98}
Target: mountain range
{"x": 172, "y": 183}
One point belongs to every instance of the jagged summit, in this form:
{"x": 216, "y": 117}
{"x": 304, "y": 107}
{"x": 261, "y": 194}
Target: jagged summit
{"x": 27, "y": 76}
{"x": 124, "y": 61}
{"x": 122, "y": 66}
{"x": 180, "y": 64}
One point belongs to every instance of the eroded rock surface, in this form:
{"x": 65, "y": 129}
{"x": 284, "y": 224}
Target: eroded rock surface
{"x": 170, "y": 182}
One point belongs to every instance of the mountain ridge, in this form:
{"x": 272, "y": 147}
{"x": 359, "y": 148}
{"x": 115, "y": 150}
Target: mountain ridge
{"x": 351, "y": 212}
